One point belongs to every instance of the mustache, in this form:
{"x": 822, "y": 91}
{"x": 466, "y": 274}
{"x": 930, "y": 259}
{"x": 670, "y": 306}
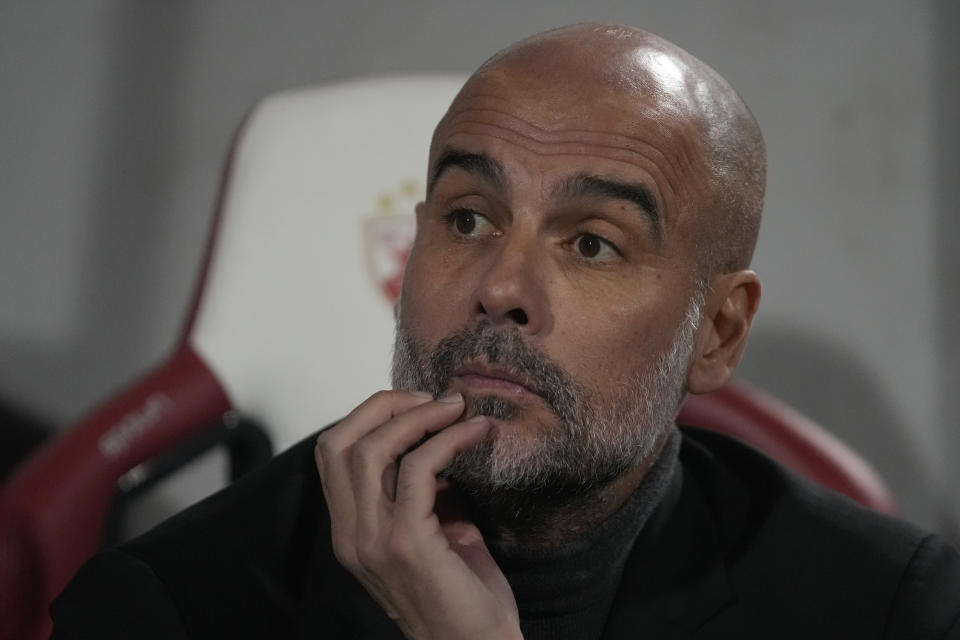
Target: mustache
{"x": 508, "y": 349}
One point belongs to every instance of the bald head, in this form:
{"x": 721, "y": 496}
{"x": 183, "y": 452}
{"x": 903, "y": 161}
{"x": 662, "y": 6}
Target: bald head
{"x": 573, "y": 71}
{"x": 583, "y": 186}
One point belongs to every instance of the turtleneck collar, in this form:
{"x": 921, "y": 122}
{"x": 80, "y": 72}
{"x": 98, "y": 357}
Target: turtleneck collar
{"x": 566, "y": 590}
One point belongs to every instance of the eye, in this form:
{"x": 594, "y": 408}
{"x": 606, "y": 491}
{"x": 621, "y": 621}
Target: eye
{"x": 468, "y": 222}
{"x": 593, "y": 247}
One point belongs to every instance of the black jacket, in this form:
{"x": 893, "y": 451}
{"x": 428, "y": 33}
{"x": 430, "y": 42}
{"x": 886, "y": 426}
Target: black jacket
{"x": 739, "y": 548}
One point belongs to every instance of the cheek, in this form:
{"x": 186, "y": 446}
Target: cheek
{"x": 608, "y": 341}
{"x": 432, "y": 295}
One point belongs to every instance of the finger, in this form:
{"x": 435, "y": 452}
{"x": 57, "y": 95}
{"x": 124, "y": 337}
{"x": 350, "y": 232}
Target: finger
{"x": 417, "y": 476}
{"x": 369, "y": 415}
{"x": 340, "y": 505}
{"x": 334, "y": 445}
{"x": 385, "y": 445}
{"x": 374, "y": 457}
{"x": 332, "y": 457}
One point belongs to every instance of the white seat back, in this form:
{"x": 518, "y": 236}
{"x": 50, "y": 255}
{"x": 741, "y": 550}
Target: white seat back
{"x": 296, "y": 316}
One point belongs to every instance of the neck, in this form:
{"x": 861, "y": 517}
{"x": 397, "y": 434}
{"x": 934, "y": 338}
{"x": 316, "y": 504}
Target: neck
{"x": 519, "y": 522}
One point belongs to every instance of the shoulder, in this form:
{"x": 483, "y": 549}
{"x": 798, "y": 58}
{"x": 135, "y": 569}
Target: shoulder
{"x": 92, "y": 606}
{"x": 235, "y": 561}
{"x": 263, "y": 510}
{"x": 762, "y": 496}
{"x": 808, "y": 554}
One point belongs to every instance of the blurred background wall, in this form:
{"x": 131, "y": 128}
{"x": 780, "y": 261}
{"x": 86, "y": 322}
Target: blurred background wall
{"x": 115, "y": 117}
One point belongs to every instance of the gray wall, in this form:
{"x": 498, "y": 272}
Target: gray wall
{"x": 114, "y": 117}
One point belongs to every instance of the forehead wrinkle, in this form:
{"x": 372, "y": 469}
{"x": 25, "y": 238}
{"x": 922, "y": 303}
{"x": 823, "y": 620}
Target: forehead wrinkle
{"x": 681, "y": 163}
{"x": 477, "y": 164}
{"x": 585, "y": 143}
{"x": 539, "y": 133}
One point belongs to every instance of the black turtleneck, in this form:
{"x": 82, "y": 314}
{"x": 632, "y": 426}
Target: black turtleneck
{"x": 566, "y": 591}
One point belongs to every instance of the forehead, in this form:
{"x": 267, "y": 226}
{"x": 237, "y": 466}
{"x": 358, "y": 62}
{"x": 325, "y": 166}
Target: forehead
{"x": 552, "y": 128}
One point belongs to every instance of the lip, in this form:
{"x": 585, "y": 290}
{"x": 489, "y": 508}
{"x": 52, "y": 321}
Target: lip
{"x": 490, "y": 378}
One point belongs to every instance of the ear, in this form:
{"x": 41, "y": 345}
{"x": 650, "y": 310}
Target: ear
{"x": 728, "y": 313}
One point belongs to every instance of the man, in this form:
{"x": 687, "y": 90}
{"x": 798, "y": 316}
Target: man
{"x": 581, "y": 262}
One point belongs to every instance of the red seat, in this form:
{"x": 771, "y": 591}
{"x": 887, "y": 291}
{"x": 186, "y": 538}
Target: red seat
{"x": 789, "y": 437}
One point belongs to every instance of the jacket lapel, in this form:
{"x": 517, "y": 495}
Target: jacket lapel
{"x": 675, "y": 579}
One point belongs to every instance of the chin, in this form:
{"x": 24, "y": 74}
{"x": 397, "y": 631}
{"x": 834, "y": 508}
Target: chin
{"x": 513, "y": 457}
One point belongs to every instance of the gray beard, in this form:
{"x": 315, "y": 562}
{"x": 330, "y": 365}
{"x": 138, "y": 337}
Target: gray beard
{"x": 594, "y": 441}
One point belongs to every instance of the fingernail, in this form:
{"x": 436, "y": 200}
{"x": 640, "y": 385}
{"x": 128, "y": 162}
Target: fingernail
{"x": 452, "y": 398}
{"x": 479, "y": 418}
{"x": 422, "y": 394}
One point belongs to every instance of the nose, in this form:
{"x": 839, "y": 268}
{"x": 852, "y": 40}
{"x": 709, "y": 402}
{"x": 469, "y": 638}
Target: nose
{"x": 512, "y": 289}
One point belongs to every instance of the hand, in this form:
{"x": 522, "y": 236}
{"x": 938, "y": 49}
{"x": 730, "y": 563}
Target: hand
{"x": 435, "y": 579}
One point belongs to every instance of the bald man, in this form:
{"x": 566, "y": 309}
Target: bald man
{"x": 581, "y": 263}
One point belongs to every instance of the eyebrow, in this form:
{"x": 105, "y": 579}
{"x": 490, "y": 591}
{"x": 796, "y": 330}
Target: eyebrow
{"x": 578, "y": 186}
{"x": 477, "y": 164}
{"x": 584, "y": 185}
